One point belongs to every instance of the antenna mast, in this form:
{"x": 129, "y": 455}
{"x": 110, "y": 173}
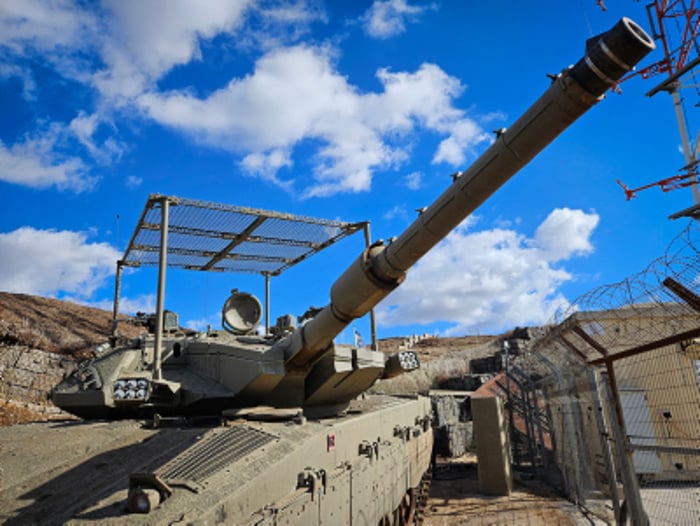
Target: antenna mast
{"x": 667, "y": 17}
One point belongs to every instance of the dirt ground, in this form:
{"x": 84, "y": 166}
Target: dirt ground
{"x": 455, "y": 500}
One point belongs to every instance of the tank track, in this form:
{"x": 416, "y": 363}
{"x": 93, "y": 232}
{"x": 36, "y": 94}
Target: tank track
{"x": 422, "y": 494}
{"x": 411, "y": 510}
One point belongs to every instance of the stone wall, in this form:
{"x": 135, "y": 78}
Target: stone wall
{"x": 28, "y": 375}
{"x": 452, "y": 425}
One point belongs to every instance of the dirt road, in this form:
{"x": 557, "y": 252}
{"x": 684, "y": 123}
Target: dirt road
{"x": 455, "y": 500}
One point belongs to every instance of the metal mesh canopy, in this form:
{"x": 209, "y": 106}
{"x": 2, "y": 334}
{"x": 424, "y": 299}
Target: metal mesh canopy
{"x": 218, "y": 237}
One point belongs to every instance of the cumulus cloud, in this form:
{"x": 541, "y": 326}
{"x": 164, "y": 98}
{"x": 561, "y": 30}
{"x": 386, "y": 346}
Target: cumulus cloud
{"x": 119, "y": 47}
{"x": 59, "y": 34}
{"x": 464, "y": 134}
{"x": 147, "y": 39}
{"x": 281, "y": 98}
{"x": 143, "y": 303}
{"x": 122, "y": 47}
{"x": 295, "y": 94}
{"x": 566, "y": 233}
{"x": 494, "y": 279}
{"x": 46, "y": 262}
{"x": 51, "y": 157}
{"x": 36, "y": 162}
{"x": 387, "y": 18}
{"x": 266, "y": 165}
{"x": 43, "y": 25}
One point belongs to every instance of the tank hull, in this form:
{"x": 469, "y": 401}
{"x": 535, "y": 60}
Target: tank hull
{"x": 244, "y": 472}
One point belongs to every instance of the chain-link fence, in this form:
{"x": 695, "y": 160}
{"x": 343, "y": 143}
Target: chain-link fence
{"x": 606, "y": 404}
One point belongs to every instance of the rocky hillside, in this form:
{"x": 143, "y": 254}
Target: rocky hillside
{"x": 53, "y": 325}
{"x": 40, "y": 341}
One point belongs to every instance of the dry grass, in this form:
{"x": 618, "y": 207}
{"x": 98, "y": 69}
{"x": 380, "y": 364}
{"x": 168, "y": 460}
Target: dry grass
{"x": 54, "y": 325}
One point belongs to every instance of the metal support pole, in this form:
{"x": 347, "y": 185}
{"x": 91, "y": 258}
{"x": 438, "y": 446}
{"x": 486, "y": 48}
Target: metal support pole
{"x": 630, "y": 484}
{"x": 509, "y": 401}
{"x": 162, "y": 266}
{"x": 595, "y": 383}
{"x": 372, "y": 319}
{"x": 267, "y": 303}
{"x": 115, "y": 307}
{"x": 685, "y": 141}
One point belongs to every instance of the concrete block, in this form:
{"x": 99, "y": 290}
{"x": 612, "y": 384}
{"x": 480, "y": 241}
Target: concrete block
{"x": 492, "y": 446}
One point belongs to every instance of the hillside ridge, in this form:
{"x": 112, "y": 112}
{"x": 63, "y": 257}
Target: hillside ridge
{"x": 55, "y": 325}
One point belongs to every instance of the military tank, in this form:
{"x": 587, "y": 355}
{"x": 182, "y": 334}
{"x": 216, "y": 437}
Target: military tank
{"x": 297, "y": 440}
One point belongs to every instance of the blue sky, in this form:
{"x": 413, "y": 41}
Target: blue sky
{"x": 345, "y": 110}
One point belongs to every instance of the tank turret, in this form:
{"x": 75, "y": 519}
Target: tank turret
{"x": 301, "y": 366}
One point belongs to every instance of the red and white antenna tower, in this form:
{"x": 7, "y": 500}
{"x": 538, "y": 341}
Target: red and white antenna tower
{"x": 679, "y": 19}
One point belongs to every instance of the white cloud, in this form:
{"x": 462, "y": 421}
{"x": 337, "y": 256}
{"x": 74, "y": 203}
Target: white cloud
{"x": 147, "y": 39}
{"x": 397, "y": 211}
{"x": 566, "y": 233}
{"x": 266, "y": 165}
{"x": 143, "y": 303}
{"x": 425, "y": 95}
{"x": 121, "y": 48}
{"x": 295, "y": 95}
{"x": 201, "y": 324}
{"x": 58, "y": 33}
{"x": 387, "y": 18}
{"x": 49, "y": 157}
{"x": 277, "y": 105}
{"x": 44, "y": 25}
{"x": 465, "y": 134}
{"x": 36, "y": 163}
{"x": 413, "y": 180}
{"x": 492, "y": 280}
{"x": 299, "y": 12}
{"x": 85, "y": 127}
{"x": 46, "y": 262}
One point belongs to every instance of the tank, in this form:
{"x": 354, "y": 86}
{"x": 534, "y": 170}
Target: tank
{"x": 297, "y": 439}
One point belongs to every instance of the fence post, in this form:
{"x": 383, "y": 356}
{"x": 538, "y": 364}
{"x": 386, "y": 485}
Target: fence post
{"x": 604, "y": 442}
{"x": 630, "y": 484}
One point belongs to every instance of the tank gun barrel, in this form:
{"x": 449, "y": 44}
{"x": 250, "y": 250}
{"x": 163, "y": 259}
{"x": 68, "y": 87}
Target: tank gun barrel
{"x": 381, "y": 268}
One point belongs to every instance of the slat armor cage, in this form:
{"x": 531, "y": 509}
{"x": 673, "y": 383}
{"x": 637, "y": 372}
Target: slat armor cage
{"x": 218, "y": 237}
